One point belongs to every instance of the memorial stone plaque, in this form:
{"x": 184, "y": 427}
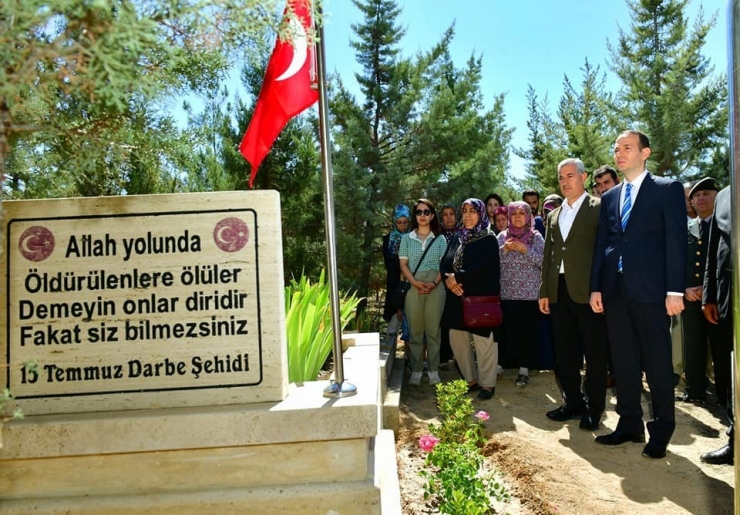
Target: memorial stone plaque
{"x": 144, "y": 302}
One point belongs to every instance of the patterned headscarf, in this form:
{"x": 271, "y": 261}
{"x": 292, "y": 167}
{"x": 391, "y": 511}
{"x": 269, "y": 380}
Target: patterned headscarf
{"x": 501, "y": 210}
{"x": 448, "y": 233}
{"x": 400, "y": 211}
{"x": 526, "y": 233}
{"x": 551, "y": 203}
{"x": 480, "y": 230}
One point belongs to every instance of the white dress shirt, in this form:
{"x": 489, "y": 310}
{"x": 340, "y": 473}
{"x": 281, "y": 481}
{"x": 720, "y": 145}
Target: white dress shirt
{"x": 565, "y": 220}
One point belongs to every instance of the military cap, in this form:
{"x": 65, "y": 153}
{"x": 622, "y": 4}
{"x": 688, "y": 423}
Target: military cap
{"x": 706, "y": 184}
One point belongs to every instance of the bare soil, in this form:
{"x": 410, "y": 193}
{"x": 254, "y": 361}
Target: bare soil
{"x": 557, "y": 468}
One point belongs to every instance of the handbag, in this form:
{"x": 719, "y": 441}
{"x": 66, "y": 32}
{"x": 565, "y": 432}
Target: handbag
{"x": 482, "y": 311}
{"x": 398, "y": 298}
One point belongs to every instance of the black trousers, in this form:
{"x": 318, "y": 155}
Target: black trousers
{"x": 522, "y": 333}
{"x": 574, "y": 323}
{"x": 641, "y": 340}
{"x": 721, "y": 341}
{"x": 696, "y": 332}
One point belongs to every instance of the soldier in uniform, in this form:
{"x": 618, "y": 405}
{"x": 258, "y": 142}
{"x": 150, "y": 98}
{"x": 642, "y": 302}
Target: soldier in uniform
{"x": 695, "y": 327}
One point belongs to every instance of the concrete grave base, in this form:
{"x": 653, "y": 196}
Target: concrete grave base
{"x": 304, "y": 455}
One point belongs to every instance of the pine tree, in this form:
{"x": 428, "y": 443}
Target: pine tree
{"x": 547, "y": 146}
{"x": 669, "y": 89}
{"x": 583, "y": 116}
{"x": 82, "y": 85}
{"x": 419, "y": 130}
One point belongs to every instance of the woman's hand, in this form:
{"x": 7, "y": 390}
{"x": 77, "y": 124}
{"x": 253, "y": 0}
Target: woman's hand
{"x": 421, "y": 287}
{"x": 453, "y": 285}
{"x": 516, "y": 246}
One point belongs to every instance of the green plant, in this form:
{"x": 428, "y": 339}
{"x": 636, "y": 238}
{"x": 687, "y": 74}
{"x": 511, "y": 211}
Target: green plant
{"x": 457, "y": 476}
{"x": 308, "y": 325}
{"x": 456, "y": 409}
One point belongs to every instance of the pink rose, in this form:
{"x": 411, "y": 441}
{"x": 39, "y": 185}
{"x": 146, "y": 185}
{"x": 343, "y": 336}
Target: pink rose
{"x": 482, "y": 416}
{"x": 428, "y": 442}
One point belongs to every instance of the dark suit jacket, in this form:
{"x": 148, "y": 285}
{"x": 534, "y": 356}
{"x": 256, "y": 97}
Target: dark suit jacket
{"x": 577, "y": 251}
{"x": 653, "y": 245}
{"x": 718, "y": 275}
{"x": 696, "y": 257}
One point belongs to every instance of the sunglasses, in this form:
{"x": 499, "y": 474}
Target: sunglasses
{"x": 424, "y": 212}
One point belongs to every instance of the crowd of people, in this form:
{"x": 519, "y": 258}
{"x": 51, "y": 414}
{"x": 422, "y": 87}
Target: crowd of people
{"x": 633, "y": 278}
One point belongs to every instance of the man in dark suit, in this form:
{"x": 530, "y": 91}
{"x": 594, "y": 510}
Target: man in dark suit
{"x": 717, "y": 307}
{"x": 564, "y": 292}
{"x": 695, "y": 332}
{"x": 638, "y": 279}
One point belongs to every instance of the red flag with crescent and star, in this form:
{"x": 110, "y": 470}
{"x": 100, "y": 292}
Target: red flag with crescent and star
{"x": 289, "y": 87}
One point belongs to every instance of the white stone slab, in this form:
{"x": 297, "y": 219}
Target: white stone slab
{"x": 142, "y": 302}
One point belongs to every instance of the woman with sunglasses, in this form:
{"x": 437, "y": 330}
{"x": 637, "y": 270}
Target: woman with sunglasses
{"x": 425, "y": 300}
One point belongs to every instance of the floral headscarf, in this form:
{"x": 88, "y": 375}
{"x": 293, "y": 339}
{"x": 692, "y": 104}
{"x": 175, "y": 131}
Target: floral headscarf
{"x": 480, "y": 230}
{"x": 551, "y": 203}
{"x": 501, "y": 210}
{"x": 526, "y": 233}
{"x": 400, "y": 211}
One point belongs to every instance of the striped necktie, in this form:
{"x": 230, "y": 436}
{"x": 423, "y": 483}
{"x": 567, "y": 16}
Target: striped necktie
{"x": 626, "y": 210}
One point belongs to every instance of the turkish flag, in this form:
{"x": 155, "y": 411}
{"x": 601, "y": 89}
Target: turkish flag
{"x": 289, "y": 88}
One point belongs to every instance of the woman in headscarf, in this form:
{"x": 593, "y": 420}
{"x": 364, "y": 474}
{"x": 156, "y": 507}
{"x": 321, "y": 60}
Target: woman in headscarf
{"x": 425, "y": 300}
{"x": 549, "y": 205}
{"x": 471, "y": 267}
{"x": 449, "y": 222}
{"x": 391, "y": 242}
{"x": 521, "y": 248}
{"x": 500, "y": 219}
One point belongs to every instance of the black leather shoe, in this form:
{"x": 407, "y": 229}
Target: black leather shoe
{"x": 654, "y": 450}
{"x": 722, "y": 456}
{"x": 590, "y": 421}
{"x": 564, "y": 413}
{"x": 485, "y": 394}
{"x": 618, "y": 438}
{"x": 685, "y": 397}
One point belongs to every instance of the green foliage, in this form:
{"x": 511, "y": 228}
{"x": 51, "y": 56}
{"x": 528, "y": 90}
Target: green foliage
{"x": 456, "y": 410}
{"x": 419, "y": 130}
{"x": 670, "y": 91}
{"x": 547, "y": 146}
{"x": 308, "y": 325}
{"x": 457, "y": 477}
{"x": 584, "y": 117}
{"x": 84, "y": 86}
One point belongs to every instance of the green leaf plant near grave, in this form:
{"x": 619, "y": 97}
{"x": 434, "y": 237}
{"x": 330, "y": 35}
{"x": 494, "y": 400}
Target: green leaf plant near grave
{"x": 308, "y": 325}
{"x": 456, "y": 474}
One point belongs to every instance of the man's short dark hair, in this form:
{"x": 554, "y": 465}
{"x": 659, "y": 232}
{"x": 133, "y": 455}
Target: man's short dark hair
{"x": 529, "y": 193}
{"x": 606, "y": 169}
{"x": 644, "y": 140}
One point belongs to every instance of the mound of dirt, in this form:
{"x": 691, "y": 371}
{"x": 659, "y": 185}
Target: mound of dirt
{"x": 556, "y": 468}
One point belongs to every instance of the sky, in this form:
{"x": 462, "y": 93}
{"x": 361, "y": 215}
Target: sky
{"x": 521, "y": 42}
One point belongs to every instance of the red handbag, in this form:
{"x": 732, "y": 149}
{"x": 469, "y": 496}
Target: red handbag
{"x": 483, "y": 311}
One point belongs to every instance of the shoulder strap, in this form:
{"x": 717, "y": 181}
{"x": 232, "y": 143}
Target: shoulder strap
{"x": 422, "y": 256}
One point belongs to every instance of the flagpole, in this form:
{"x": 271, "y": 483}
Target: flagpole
{"x": 339, "y": 387}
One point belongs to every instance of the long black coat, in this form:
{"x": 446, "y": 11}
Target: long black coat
{"x": 480, "y": 275}
{"x": 393, "y": 277}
